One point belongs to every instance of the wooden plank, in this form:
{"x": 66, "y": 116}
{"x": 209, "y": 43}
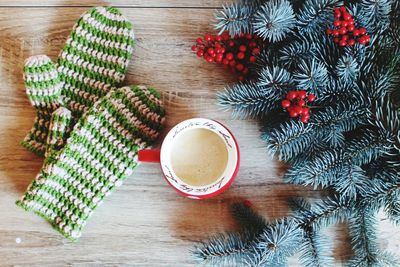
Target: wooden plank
{"x": 118, "y": 3}
{"x": 144, "y": 222}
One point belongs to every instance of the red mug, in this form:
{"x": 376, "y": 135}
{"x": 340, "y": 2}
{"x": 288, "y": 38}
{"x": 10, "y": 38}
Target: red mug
{"x": 163, "y": 156}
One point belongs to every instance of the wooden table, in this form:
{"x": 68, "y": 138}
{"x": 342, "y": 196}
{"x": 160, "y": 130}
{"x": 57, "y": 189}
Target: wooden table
{"x": 144, "y": 222}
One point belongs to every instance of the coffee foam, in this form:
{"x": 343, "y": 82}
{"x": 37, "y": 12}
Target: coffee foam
{"x": 199, "y": 156}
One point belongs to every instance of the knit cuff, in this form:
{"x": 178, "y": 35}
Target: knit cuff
{"x": 100, "y": 153}
{"x": 35, "y": 140}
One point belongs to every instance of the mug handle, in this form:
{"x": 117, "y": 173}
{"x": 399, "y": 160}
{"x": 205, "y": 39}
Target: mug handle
{"x": 149, "y": 155}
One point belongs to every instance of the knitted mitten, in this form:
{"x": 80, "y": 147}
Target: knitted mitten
{"x": 93, "y": 61}
{"x": 100, "y": 153}
{"x": 43, "y": 88}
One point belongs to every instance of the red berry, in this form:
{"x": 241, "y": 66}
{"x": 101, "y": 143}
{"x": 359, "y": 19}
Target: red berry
{"x": 335, "y": 33}
{"x": 345, "y": 37}
{"x": 200, "y": 53}
{"x": 225, "y": 61}
{"x": 344, "y": 23}
{"x": 351, "y": 42}
{"x": 304, "y": 119}
{"x": 337, "y": 23}
{"x": 350, "y": 28}
{"x": 346, "y": 16}
{"x": 207, "y": 37}
{"x": 343, "y": 30}
{"x": 211, "y": 51}
{"x": 362, "y": 40}
{"x": 293, "y": 114}
{"x": 231, "y": 43}
{"x": 229, "y": 56}
{"x": 225, "y": 36}
{"x": 249, "y": 36}
{"x": 222, "y": 49}
{"x": 252, "y": 59}
{"x": 199, "y": 40}
{"x": 241, "y": 78}
{"x": 252, "y": 44}
{"x": 217, "y": 50}
{"x": 301, "y": 103}
{"x": 232, "y": 63}
{"x": 194, "y": 48}
{"x": 363, "y": 30}
{"x": 337, "y": 15}
{"x": 242, "y": 48}
{"x": 285, "y": 103}
{"x": 256, "y": 51}
{"x": 297, "y": 110}
{"x": 219, "y": 57}
{"x": 239, "y": 67}
{"x": 343, "y": 9}
{"x": 311, "y": 97}
{"x": 351, "y": 22}
{"x": 337, "y": 10}
{"x": 356, "y": 32}
{"x": 209, "y": 59}
{"x": 240, "y": 55}
{"x": 342, "y": 42}
{"x": 291, "y": 95}
{"x": 218, "y": 38}
{"x": 306, "y": 111}
{"x": 245, "y": 71}
{"x": 301, "y": 94}
{"x": 336, "y": 39}
{"x": 328, "y": 31}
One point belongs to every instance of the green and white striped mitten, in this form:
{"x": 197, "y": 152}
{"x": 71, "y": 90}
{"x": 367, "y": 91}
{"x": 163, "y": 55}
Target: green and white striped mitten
{"x": 93, "y": 61}
{"x": 99, "y": 154}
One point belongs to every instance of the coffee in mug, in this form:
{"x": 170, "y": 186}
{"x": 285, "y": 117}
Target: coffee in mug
{"x": 199, "y": 158}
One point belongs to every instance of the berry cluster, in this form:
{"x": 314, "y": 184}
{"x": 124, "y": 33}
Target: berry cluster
{"x": 345, "y": 33}
{"x": 296, "y": 104}
{"x": 235, "y": 53}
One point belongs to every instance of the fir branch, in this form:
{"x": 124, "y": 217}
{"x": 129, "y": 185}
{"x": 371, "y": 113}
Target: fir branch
{"x": 348, "y": 69}
{"x": 311, "y": 75}
{"x": 366, "y": 148}
{"x": 280, "y": 241}
{"x": 392, "y": 206}
{"x": 289, "y": 140}
{"x": 236, "y": 18}
{"x": 248, "y": 100}
{"x": 376, "y": 13}
{"x": 343, "y": 117}
{"x": 274, "y": 20}
{"x": 325, "y": 213}
{"x": 387, "y": 120}
{"x": 277, "y": 79}
{"x": 363, "y": 236}
{"x": 294, "y": 52}
{"x": 352, "y": 184}
{"x": 223, "y": 250}
{"x": 314, "y": 251}
{"x": 322, "y": 171}
{"x": 325, "y": 51}
{"x": 316, "y": 15}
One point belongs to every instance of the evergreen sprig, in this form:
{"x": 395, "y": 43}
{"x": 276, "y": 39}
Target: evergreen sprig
{"x": 351, "y": 144}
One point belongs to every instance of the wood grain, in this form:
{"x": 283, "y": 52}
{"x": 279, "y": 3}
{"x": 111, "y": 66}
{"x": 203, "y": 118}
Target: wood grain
{"x": 118, "y": 3}
{"x": 144, "y": 223}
